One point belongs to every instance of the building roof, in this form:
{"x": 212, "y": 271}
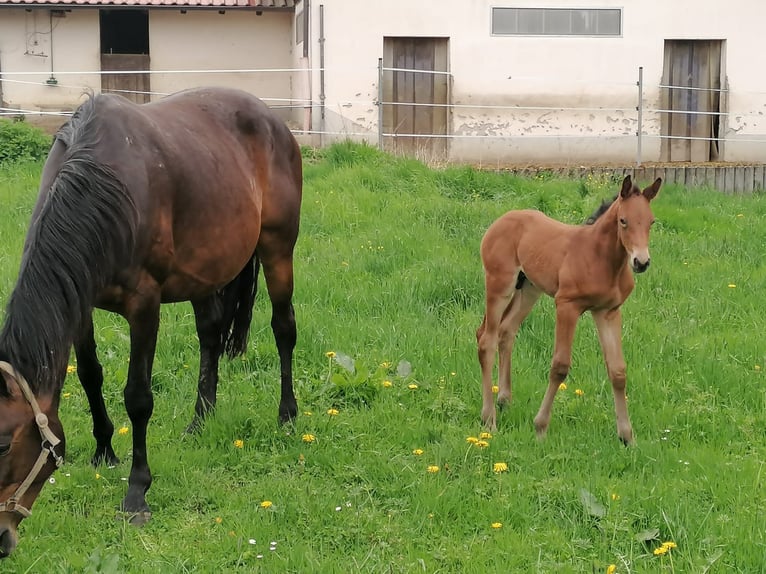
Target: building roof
{"x": 220, "y": 4}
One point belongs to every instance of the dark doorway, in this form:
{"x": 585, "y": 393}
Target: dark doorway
{"x": 125, "y": 48}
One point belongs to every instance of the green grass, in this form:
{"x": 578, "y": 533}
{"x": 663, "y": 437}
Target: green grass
{"x": 387, "y": 271}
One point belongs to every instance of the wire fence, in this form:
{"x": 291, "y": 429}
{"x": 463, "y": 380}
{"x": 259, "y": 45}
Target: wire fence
{"x": 674, "y": 121}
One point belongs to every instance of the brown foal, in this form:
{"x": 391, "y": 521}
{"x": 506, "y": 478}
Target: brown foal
{"x": 584, "y": 268}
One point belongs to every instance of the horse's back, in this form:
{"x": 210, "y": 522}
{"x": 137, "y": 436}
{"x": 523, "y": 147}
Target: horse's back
{"x": 208, "y": 169}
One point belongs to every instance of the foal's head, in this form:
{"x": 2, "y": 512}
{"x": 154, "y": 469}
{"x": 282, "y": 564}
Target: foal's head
{"x": 634, "y": 218}
{"x": 27, "y": 454}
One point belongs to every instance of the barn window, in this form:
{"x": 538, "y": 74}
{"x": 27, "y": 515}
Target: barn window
{"x": 557, "y": 21}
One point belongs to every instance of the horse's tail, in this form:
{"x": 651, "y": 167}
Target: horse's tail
{"x": 238, "y": 299}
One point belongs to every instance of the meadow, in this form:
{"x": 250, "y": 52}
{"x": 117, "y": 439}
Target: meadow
{"x": 385, "y": 468}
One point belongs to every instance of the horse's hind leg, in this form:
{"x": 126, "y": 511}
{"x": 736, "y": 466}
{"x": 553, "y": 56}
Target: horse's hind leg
{"x": 91, "y": 378}
{"x": 499, "y": 290}
{"x": 276, "y": 256}
{"x": 209, "y": 318}
{"x": 521, "y": 304}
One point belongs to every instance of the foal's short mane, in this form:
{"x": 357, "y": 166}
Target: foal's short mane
{"x": 600, "y": 210}
{"x": 84, "y": 230}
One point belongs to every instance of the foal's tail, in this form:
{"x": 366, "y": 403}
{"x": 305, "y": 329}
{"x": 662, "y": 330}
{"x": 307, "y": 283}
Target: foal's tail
{"x": 238, "y": 299}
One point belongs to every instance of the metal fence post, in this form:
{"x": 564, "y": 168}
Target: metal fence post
{"x": 640, "y": 109}
{"x": 380, "y": 103}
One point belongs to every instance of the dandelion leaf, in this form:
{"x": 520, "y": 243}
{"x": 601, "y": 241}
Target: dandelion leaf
{"x": 648, "y": 535}
{"x": 404, "y": 369}
{"x": 591, "y": 504}
{"x": 344, "y": 361}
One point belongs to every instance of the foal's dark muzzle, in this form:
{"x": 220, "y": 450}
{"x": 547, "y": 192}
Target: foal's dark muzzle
{"x": 640, "y": 267}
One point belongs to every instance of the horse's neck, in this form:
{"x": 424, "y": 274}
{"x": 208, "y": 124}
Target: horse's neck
{"x": 605, "y": 234}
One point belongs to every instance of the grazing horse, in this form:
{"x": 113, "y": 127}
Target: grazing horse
{"x": 584, "y": 268}
{"x": 182, "y": 199}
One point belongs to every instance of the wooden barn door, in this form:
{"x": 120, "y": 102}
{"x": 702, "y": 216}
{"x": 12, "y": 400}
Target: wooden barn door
{"x": 125, "y": 48}
{"x": 692, "y": 73}
{"x": 418, "y": 100}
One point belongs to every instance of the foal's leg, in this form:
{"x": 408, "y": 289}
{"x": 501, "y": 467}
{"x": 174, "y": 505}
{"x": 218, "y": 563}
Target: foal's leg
{"x": 92, "y": 379}
{"x": 143, "y": 316}
{"x": 566, "y": 323}
{"x": 276, "y": 256}
{"x": 521, "y": 304}
{"x": 499, "y": 293}
{"x": 609, "y": 325}
{"x": 208, "y": 315}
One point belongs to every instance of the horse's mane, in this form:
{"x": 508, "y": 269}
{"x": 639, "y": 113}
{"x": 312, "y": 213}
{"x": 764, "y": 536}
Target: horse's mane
{"x": 84, "y": 231}
{"x": 600, "y": 210}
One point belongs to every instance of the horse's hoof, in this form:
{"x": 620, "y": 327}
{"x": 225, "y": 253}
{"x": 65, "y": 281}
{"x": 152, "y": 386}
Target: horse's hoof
{"x": 195, "y": 426}
{"x": 288, "y": 416}
{"x": 137, "y": 519}
{"x": 108, "y": 459}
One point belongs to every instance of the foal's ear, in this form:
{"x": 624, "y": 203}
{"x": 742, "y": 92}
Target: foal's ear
{"x": 651, "y": 191}
{"x": 627, "y": 187}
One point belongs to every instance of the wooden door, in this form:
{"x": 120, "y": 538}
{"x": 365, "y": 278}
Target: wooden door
{"x": 692, "y": 76}
{"x": 417, "y": 105}
{"x": 135, "y": 86}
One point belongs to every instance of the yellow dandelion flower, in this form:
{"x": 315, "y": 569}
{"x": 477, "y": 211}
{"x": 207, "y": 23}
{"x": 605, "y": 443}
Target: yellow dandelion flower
{"x": 267, "y": 504}
{"x": 499, "y": 467}
{"x": 495, "y": 389}
{"x": 332, "y": 412}
{"x": 433, "y": 469}
{"x": 611, "y": 569}
{"x": 412, "y": 386}
{"x": 563, "y": 387}
{"x": 615, "y": 496}
{"x": 482, "y": 443}
{"x": 579, "y": 392}
{"x": 66, "y": 395}
{"x": 472, "y": 439}
{"x": 239, "y": 443}
{"x": 123, "y": 430}
{"x": 732, "y": 285}
{"x": 740, "y": 215}
{"x": 385, "y": 365}
{"x": 757, "y": 367}
{"x": 70, "y": 369}
{"x": 453, "y": 373}
{"x": 307, "y": 413}
{"x": 485, "y": 435}
{"x": 387, "y": 384}
{"x": 417, "y": 451}
{"x": 669, "y": 545}
{"x": 308, "y": 438}
{"x": 497, "y": 525}
{"x": 330, "y": 354}
{"x": 218, "y": 520}
{"x": 98, "y": 476}
{"x": 661, "y": 550}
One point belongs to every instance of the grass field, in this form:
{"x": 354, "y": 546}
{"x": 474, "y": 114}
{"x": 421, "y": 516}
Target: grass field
{"x": 388, "y": 276}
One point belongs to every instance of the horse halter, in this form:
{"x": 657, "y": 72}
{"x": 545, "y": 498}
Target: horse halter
{"x": 47, "y": 446}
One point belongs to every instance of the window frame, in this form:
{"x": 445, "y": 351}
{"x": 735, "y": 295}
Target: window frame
{"x": 619, "y": 9}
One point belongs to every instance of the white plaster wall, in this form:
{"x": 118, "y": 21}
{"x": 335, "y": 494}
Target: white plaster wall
{"x": 555, "y": 72}
{"x": 197, "y": 40}
{"x": 207, "y": 40}
{"x": 70, "y": 49}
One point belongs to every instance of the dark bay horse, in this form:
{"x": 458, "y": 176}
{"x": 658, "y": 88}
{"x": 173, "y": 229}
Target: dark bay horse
{"x": 584, "y": 268}
{"x": 182, "y": 199}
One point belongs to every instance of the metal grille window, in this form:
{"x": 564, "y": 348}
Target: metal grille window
{"x": 557, "y": 21}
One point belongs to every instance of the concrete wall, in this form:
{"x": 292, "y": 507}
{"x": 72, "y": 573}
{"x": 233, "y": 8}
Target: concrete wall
{"x": 565, "y": 72}
{"x": 197, "y": 40}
